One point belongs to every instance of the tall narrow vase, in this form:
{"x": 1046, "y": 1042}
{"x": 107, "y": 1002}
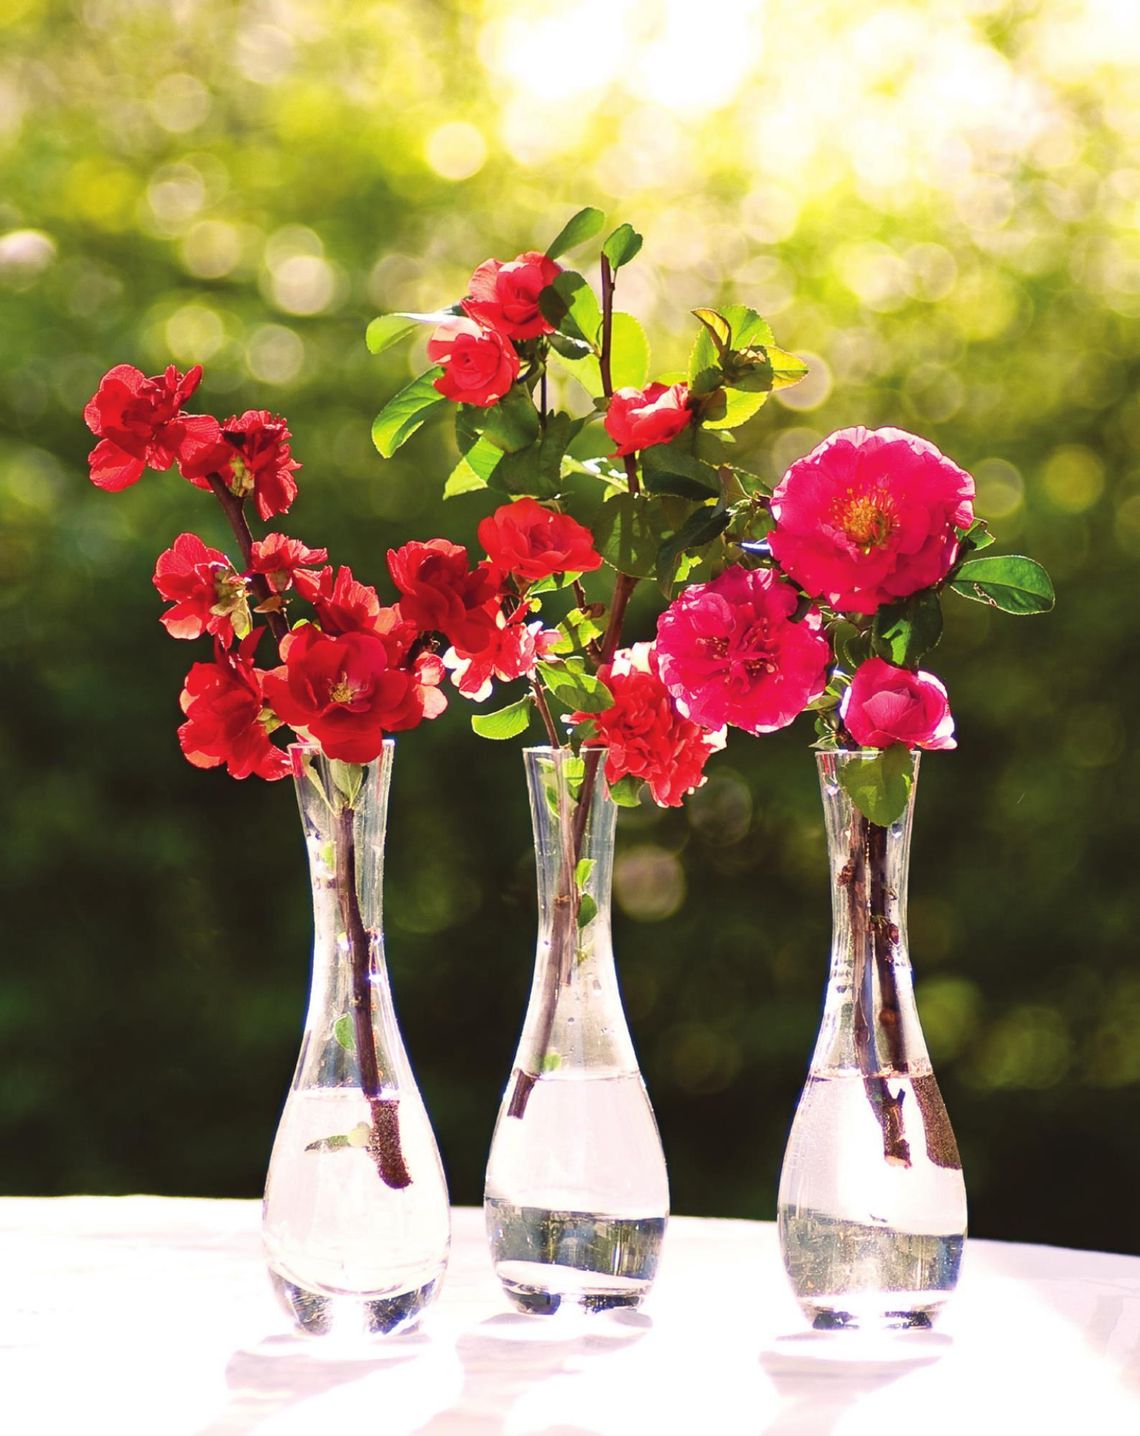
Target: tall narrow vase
{"x": 355, "y": 1220}
{"x": 872, "y": 1206}
{"x": 576, "y": 1197}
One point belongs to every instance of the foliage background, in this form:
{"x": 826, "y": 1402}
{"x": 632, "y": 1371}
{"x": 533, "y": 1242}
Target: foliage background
{"x": 935, "y": 202}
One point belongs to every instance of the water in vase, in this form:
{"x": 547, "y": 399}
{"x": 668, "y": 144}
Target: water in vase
{"x": 872, "y": 1205}
{"x": 348, "y": 1253}
{"x": 577, "y": 1196}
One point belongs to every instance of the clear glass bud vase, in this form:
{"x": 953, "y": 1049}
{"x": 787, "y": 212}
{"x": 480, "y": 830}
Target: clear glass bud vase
{"x": 355, "y": 1220}
{"x": 872, "y": 1205}
{"x": 576, "y": 1196}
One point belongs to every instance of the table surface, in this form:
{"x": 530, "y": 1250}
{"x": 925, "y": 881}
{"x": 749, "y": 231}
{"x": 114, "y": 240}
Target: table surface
{"x": 153, "y": 1315}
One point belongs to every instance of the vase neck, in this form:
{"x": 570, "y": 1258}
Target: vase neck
{"x": 574, "y": 821}
{"x": 870, "y": 1021}
{"x": 575, "y": 1017}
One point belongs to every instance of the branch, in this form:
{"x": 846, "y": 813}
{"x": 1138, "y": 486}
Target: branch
{"x": 234, "y": 510}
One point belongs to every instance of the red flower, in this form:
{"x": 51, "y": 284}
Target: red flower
{"x": 870, "y": 516}
{"x": 439, "y": 594}
{"x": 206, "y": 592}
{"x": 514, "y": 649}
{"x": 281, "y": 559}
{"x": 505, "y": 296}
{"x": 887, "y": 705}
{"x": 343, "y": 605}
{"x": 639, "y": 418}
{"x": 226, "y": 718}
{"x": 347, "y": 690}
{"x": 646, "y": 736}
{"x": 533, "y": 542}
{"x": 479, "y": 364}
{"x": 140, "y": 423}
{"x": 729, "y": 652}
{"x": 251, "y": 454}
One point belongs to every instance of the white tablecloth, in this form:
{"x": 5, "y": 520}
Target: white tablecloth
{"x": 153, "y": 1316}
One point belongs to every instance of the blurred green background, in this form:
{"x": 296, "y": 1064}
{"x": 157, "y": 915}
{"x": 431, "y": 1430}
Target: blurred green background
{"x": 935, "y": 203}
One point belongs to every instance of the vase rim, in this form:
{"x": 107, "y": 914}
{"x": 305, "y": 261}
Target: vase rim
{"x": 544, "y": 750}
{"x": 822, "y": 753}
{"x": 308, "y": 746}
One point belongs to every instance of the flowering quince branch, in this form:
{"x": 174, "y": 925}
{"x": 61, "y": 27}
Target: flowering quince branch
{"x": 357, "y": 671}
{"x": 666, "y": 498}
{"x": 868, "y": 532}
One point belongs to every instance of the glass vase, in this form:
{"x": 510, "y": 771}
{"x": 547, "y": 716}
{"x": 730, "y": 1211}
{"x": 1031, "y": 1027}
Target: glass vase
{"x": 872, "y": 1205}
{"x": 576, "y": 1196}
{"x": 355, "y": 1220}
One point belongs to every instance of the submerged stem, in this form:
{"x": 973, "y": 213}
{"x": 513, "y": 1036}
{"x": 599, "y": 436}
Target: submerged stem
{"x": 384, "y": 1141}
{"x": 876, "y": 1003}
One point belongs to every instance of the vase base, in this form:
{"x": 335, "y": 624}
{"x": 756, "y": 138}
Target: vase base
{"x": 552, "y": 1260}
{"x": 540, "y": 1290}
{"x": 849, "y": 1314}
{"x": 349, "y": 1317}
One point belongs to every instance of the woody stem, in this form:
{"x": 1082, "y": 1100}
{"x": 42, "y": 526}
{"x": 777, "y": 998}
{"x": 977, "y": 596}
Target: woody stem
{"x": 234, "y": 510}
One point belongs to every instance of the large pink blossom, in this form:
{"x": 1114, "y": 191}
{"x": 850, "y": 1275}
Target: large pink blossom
{"x": 729, "y": 652}
{"x": 886, "y": 705}
{"x": 869, "y": 516}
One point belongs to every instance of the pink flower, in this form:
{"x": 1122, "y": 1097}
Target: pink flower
{"x": 227, "y": 720}
{"x": 646, "y": 736}
{"x": 140, "y": 423}
{"x": 348, "y": 689}
{"x": 869, "y": 517}
{"x": 205, "y": 592}
{"x": 439, "y": 594}
{"x": 639, "y": 418}
{"x": 505, "y": 296}
{"x": 279, "y": 559}
{"x": 479, "y": 364}
{"x": 250, "y": 453}
{"x": 532, "y": 542}
{"x": 729, "y": 652}
{"x": 513, "y": 651}
{"x": 343, "y": 604}
{"x": 887, "y": 705}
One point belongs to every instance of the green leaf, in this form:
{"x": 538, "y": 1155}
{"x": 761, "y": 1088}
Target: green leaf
{"x": 587, "y": 910}
{"x": 622, "y": 245}
{"x": 879, "y": 786}
{"x": 386, "y": 330}
{"x": 474, "y": 469}
{"x": 701, "y": 527}
{"x": 733, "y": 407}
{"x": 582, "y": 872}
{"x": 626, "y": 792}
{"x": 747, "y": 330}
{"x": 671, "y": 469}
{"x": 389, "y": 329}
{"x": 576, "y": 630}
{"x": 551, "y": 1061}
{"x": 1013, "y": 583}
{"x": 787, "y": 369}
{"x": 572, "y": 307}
{"x": 628, "y": 529}
{"x": 904, "y": 632}
{"x": 629, "y": 358}
{"x": 344, "y": 1032}
{"x": 348, "y": 779}
{"x": 577, "y": 230}
{"x": 977, "y": 536}
{"x": 512, "y": 424}
{"x": 508, "y": 722}
{"x": 718, "y": 328}
{"x": 406, "y": 411}
{"x": 574, "y": 687}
